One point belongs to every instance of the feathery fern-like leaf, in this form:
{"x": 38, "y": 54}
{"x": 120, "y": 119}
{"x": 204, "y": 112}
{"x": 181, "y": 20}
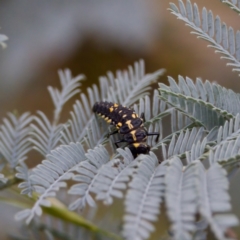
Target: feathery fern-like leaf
{"x": 205, "y": 103}
{"x": 81, "y": 116}
{"x": 46, "y": 134}
{"x": 229, "y": 131}
{"x": 24, "y": 173}
{"x": 51, "y": 175}
{"x": 225, "y": 41}
{"x": 201, "y": 230}
{"x": 14, "y": 138}
{"x": 87, "y": 173}
{"x": 214, "y": 198}
{"x": 226, "y": 153}
{"x": 154, "y": 116}
{"x": 196, "y": 151}
{"x": 133, "y": 84}
{"x": 233, "y": 4}
{"x": 113, "y": 177}
{"x": 69, "y": 86}
{"x": 181, "y": 198}
{"x": 153, "y": 109}
{"x": 153, "y": 113}
{"x": 142, "y": 203}
{"x": 184, "y": 142}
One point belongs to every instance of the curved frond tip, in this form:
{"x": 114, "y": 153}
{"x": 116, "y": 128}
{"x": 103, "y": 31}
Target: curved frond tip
{"x": 217, "y": 34}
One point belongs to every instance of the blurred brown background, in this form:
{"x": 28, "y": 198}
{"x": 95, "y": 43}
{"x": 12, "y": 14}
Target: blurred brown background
{"x": 92, "y": 37}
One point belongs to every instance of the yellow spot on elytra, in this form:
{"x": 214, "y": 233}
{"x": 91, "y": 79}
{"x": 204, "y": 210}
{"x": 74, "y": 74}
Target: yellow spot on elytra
{"x": 111, "y": 109}
{"x": 136, "y": 145}
{"x": 134, "y": 115}
{"x": 130, "y": 126}
{"x": 124, "y": 115}
{"x": 119, "y": 124}
{"x": 133, "y": 135}
{"x": 115, "y": 105}
{"x": 120, "y": 111}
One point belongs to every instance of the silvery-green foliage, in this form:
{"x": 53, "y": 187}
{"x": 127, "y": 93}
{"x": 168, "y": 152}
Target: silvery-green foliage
{"x": 207, "y": 104}
{"x": 214, "y": 200}
{"x": 199, "y": 151}
{"x": 70, "y": 86}
{"x": 155, "y": 111}
{"x": 87, "y": 174}
{"x": 24, "y": 173}
{"x": 230, "y": 130}
{"x": 181, "y": 198}
{"x": 220, "y": 37}
{"x": 14, "y": 138}
{"x": 201, "y": 227}
{"x": 51, "y": 175}
{"x": 179, "y": 120}
{"x": 143, "y": 198}
{"x": 46, "y": 133}
{"x": 226, "y": 153}
{"x": 133, "y": 84}
{"x": 233, "y": 4}
{"x": 125, "y": 88}
{"x": 47, "y": 138}
{"x": 203, "y": 127}
{"x": 113, "y": 177}
{"x": 184, "y": 142}
{"x": 95, "y": 134}
{"x": 81, "y": 116}
{"x": 197, "y": 190}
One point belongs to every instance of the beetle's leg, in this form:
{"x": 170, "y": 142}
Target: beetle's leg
{"x": 111, "y": 133}
{"x": 154, "y": 133}
{"x": 119, "y": 141}
{"x": 142, "y": 116}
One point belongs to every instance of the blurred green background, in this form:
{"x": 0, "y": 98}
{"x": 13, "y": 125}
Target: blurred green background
{"x": 92, "y": 37}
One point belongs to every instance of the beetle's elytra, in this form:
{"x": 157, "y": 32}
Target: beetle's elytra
{"x": 128, "y": 124}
